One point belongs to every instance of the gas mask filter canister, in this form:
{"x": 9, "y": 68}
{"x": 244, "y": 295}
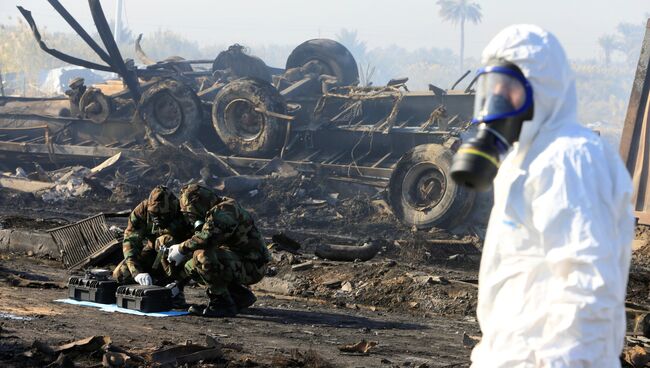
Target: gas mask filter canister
{"x": 504, "y": 100}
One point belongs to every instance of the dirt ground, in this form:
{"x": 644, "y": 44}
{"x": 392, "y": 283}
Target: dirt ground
{"x": 416, "y": 299}
{"x": 273, "y": 329}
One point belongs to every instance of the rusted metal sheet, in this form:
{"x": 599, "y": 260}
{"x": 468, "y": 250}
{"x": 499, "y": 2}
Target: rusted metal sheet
{"x": 635, "y": 139}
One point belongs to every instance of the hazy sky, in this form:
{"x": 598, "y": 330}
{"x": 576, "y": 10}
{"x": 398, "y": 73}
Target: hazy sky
{"x": 408, "y": 23}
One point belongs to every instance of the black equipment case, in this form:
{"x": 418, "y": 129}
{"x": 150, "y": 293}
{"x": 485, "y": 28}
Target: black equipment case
{"x": 150, "y": 298}
{"x": 95, "y": 287}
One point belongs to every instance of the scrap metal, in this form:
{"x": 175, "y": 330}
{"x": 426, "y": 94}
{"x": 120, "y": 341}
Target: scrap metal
{"x": 312, "y": 113}
{"x": 85, "y": 242}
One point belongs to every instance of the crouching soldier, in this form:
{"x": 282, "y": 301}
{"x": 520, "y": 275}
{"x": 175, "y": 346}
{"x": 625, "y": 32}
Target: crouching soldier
{"x": 154, "y": 224}
{"x": 225, "y": 254}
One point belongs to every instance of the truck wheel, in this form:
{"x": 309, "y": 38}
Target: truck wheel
{"x": 335, "y": 59}
{"x": 421, "y": 192}
{"x": 172, "y": 110}
{"x": 238, "y": 116}
{"x": 95, "y": 106}
{"x": 240, "y": 64}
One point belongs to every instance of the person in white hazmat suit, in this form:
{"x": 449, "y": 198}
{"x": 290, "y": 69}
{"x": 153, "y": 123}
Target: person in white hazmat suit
{"x": 556, "y": 256}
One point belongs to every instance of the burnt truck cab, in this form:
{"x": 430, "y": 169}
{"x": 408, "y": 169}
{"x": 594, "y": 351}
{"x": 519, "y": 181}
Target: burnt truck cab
{"x": 317, "y": 117}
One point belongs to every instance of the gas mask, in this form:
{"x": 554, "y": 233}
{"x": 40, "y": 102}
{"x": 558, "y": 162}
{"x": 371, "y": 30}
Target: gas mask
{"x": 159, "y": 221}
{"x": 503, "y": 102}
{"x": 162, "y": 205}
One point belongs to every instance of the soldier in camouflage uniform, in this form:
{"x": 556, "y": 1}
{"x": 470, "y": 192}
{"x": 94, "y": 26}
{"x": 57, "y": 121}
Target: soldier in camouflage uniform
{"x": 226, "y": 253}
{"x": 196, "y": 201}
{"x": 155, "y": 223}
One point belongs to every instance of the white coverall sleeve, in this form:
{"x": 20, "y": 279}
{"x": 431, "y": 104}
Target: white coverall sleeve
{"x": 586, "y": 268}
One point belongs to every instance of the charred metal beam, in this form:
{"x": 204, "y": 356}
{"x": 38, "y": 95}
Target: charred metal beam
{"x": 56, "y": 53}
{"x": 129, "y": 76}
{"x": 80, "y": 31}
{"x": 68, "y": 150}
{"x": 140, "y": 54}
{"x": 326, "y": 169}
{"x": 460, "y": 79}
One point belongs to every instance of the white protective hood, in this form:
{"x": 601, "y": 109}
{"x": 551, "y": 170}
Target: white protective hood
{"x": 557, "y": 251}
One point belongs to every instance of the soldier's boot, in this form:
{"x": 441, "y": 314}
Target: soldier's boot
{"x": 242, "y": 296}
{"x": 220, "y": 306}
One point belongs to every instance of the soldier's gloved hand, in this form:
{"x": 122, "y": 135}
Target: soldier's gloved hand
{"x": 175, "y": 256}
{"x": 143, "y": 279}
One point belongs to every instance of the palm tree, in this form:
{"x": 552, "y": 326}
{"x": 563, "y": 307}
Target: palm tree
{"x": 631, "y": 36}
{"x": 459, "y": 12}
{"x": 350, "y": 39}
{"x": 609, "y": 43}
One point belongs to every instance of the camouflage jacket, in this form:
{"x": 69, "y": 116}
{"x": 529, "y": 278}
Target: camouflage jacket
{"x": 229, "y": 225}
{"x": 141, "y": 229}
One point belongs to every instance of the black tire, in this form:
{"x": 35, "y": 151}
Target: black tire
{"x": 245, "y": 131}
{"x": 421, "y": 192}
{"x": 172, "y": 110}
{"x": 336, "y": 59}
{"x": 241, "y": 65}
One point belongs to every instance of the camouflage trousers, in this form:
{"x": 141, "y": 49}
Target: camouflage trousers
{"x": 153, "y": 262}
{"x": 218, "y": 267}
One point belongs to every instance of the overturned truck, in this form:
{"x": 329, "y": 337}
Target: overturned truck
{"x": 313, "y": 114}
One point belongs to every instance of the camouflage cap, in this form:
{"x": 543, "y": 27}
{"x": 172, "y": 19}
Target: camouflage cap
{"x": 162, "y": 201}
{"x": 197, "y": 199}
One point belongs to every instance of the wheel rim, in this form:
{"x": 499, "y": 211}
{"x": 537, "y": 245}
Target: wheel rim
{"x": 95, "y": 106}
{"x": 424, "y": 186}
{"x": 242, "y": 120}
{"x": 168, "y": 113}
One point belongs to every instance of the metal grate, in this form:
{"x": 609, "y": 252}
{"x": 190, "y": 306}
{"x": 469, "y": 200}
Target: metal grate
{"x": 84, "y": 241}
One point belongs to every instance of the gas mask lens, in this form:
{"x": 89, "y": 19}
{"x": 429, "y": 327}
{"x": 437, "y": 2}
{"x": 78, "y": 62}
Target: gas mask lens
{"x": 497, "y": 96}
{"x": 503, "y": 101}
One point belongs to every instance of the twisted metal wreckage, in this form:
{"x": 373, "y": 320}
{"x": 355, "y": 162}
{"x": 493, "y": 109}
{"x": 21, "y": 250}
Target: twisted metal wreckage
{"x": 239, "y": 114}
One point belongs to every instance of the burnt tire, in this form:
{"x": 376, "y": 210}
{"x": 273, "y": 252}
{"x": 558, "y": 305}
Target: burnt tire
{"x": 241, "y": 65}
{"x": 421, "y": 192}
{"x": 334, "y": 57}
{"x": 244, "y": 130}
{"x": 172, "y": 110}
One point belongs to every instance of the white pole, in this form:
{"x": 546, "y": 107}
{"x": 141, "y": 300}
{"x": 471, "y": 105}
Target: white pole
{"x": 118, "y": 21}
